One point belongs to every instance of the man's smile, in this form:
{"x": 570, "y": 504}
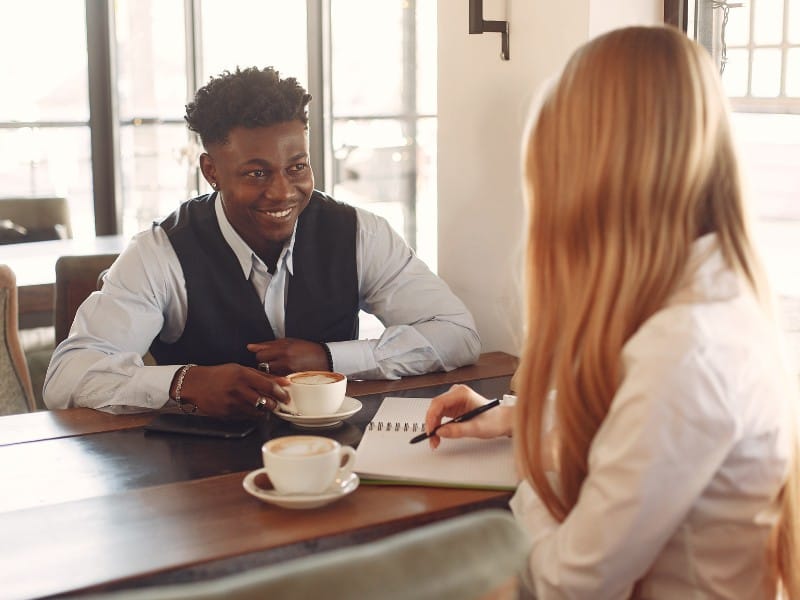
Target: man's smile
{"x": 277, "y": 214}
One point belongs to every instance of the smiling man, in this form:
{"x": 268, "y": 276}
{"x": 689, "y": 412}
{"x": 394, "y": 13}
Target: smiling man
{"x": 263, "y": 277}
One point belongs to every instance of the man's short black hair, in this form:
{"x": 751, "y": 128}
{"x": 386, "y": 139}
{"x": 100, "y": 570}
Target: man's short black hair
{"x": 245, "y": 98}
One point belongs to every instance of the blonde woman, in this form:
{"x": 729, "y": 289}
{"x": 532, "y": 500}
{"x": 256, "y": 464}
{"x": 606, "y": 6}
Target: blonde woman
{"x": 670, "y": 470}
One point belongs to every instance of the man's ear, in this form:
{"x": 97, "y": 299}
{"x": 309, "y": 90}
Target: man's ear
{"x": 208, "y": 169}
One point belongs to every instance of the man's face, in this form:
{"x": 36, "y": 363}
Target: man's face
{"x": 265, "y": 179}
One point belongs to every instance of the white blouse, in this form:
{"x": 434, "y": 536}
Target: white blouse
{"x": 684, "y": 471}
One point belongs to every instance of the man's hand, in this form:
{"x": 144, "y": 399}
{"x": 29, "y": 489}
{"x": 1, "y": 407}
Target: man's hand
{"x": 231, "y": 390}
{"x": 458, "y": 400}
{"x": 288, "y": 355}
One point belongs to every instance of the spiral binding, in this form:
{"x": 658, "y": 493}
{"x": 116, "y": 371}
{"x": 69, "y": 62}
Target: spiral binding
{"x": 396, "y": 426}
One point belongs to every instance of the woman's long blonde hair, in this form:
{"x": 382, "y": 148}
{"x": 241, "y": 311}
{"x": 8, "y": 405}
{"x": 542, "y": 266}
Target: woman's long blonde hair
{"x": 628, "y": 161}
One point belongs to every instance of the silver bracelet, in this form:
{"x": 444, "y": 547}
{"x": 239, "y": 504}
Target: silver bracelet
{"x": 178, "y": 386}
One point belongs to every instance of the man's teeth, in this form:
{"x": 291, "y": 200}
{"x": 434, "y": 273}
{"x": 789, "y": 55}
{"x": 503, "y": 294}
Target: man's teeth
{"x": 279, "y": 214}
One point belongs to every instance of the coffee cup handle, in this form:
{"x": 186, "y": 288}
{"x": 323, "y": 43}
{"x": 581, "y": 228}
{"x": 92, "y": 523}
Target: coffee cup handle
{"x": 348, "y": 456}
{"x": 250, "y": 481}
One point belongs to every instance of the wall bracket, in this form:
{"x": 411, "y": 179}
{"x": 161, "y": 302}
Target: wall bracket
{"x": 478, "y": 25}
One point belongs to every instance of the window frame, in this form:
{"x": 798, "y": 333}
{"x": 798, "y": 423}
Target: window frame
{"x": 676, "y": 12}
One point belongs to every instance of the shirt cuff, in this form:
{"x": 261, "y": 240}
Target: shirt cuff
{"x": 354, "y": 358}
{"x": 152, "y": 385}
{"x": 508, "y": 400}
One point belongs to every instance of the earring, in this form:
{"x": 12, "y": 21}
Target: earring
{"x": 214, "y": 184}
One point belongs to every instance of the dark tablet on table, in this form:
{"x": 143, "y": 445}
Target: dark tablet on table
{"x": 200, "y": 425}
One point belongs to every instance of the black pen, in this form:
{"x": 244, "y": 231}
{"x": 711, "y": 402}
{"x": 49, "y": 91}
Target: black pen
{"x": 459, "y": 419}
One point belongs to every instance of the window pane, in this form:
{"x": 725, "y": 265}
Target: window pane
{"x": 768, "y": 21}
{"x": 794, "y": 21}
{"x": 157, "y": 172}
{"x": 737, "y": 31}
{"x": 427, "y": 74}
{"x": 734, "y": 76}
{"x": 375, "y": 168}
{"x": 45, "y": 161}
{"x": 151, "y": 59}
{"x": 43, "y": 69}
{"x": 255, "y": 33}
{"x": 367, "y": 61}
{"x": 793, "y": 72}
{"x": 766, "y": 73}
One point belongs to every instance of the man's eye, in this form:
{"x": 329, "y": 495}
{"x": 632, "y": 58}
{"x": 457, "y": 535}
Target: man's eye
{"x": 256, "y": 173}
{"x": 299, "y": 167}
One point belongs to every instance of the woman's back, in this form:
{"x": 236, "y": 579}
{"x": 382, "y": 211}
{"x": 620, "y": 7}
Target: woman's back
{"x": 718, "y": 409}
{"x": 684, "y": 472}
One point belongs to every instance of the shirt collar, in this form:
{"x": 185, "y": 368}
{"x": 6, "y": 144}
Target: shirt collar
{"x": 708, "y": 277}
{"x": 244, "y": 254}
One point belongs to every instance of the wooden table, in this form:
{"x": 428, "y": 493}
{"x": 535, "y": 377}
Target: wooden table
{"x": 91, "y": 502}
{"x": 34, "y": 265}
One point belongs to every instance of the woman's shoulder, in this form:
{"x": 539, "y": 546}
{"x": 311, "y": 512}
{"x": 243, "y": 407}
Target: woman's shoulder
{"x": 727, "y": 353}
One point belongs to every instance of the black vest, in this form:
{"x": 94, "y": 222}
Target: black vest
{"x": 224, "y": 313}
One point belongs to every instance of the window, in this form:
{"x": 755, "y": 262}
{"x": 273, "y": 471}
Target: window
{"x": 756, "y": 44}
{"x": 112, "y": 139}
{"x": 151, "y": 88}
{"x": 156, "y": 63}
{"x": 44, "y": 110}
{"x": 384, "y": 114}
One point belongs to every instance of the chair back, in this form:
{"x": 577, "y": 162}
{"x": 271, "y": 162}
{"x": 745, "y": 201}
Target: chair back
{"x": 16, "y": 391}
{"x": 34, "y": 219}
{"x": 76, "y": 278}
{"x": 478, "y": 555}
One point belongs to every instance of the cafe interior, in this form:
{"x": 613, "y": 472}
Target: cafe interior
{"x": 417, "y": 113}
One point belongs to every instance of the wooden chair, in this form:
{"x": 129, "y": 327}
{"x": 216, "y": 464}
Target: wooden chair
{"x": 76, "y": 278}
{"x": 34, "y": 219}
{"x": 476, "y": 556}
{"x": 16, "y": 391}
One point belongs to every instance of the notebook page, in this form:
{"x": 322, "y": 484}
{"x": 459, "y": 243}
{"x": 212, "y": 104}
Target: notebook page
{"x": 385, "y": 453}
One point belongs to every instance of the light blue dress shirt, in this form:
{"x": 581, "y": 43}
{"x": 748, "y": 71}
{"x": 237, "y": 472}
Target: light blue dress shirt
{"x": 144, "y": 295}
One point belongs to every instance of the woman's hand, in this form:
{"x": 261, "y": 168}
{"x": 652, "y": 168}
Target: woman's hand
{"x": 458, "y": 400}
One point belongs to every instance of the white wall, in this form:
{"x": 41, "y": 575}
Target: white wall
{"x": 483, "y": 107}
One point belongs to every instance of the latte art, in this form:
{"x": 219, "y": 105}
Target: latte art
{"x": 301, "y": 446}
{"x": 315, "y": 377}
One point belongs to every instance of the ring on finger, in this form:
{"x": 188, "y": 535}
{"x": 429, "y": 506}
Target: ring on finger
{"x": 264, "y": 366}
{"x": 261, "y": 403}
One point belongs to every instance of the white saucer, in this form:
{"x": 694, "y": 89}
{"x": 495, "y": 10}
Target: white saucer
{"x": 350, "y": 406}
{"x": 340, "y": 489}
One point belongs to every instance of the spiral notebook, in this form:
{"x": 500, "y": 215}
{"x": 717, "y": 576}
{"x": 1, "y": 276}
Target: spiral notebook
{"x": 385, "y": 455}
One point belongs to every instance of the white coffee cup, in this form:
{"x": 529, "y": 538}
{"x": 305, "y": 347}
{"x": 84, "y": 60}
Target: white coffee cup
{"x": 306, "y": 464}
{"x": 316, "y": 393}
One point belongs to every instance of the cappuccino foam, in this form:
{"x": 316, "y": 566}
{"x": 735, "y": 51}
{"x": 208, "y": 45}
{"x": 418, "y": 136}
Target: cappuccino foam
{"x": 314, "y": 379}
{"x": 302, "y": 447}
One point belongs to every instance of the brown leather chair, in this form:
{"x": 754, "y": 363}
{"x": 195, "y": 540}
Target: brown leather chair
{"x": 76, "y": 278}
{"x": 16, "y": 391}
